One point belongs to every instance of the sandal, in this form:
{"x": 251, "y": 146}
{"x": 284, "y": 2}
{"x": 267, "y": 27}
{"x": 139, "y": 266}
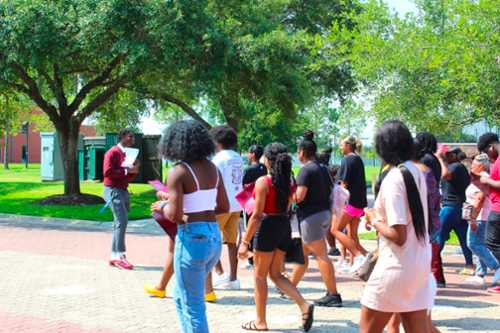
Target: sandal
{"x": 250, "y": 326}
{"x": 465, "y": 271}
{"x": 307, "y": 318}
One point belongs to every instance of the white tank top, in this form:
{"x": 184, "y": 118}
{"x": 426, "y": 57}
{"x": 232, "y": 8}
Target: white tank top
{"x": 200, "y": 200}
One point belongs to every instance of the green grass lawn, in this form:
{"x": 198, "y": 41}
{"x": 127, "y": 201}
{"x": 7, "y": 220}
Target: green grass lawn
{"x": 19, "y": 187}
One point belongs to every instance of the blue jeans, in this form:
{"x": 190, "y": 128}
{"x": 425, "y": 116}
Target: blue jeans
{"x": 475, "y": 242}
{"x": 451, "y": 219}
{"x": 120, "y": 206}
{"x": 198, "y": 246}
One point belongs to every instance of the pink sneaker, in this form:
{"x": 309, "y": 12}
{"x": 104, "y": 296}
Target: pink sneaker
{"x": 494, "y": 289}
{"x": 123, "y": 263}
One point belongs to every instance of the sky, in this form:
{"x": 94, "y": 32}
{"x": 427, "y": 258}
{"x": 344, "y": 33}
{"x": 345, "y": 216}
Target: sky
{"x": 402, "y": 7}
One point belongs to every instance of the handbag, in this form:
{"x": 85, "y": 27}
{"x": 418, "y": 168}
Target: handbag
{"x": 371, "y": 261}
{"x": 245, "y": 198}
{"x": 295, "y": 253}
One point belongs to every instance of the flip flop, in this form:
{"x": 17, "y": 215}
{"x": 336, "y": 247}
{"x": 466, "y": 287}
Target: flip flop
{"x": 308, "y": 317}
{"x": 250, "y": 326}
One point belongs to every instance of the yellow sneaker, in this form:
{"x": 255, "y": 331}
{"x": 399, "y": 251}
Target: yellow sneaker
{"x": 150, "y": 288}
{"x": 210, "y": 297}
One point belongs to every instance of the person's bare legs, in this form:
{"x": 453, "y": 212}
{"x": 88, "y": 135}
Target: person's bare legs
{"x": 330, "y": 239}
{"x": 218, "y": 268}
{"x": 168, "y": 270}
{"x": 394, "y": 323}
{"x": 208, "y": 284}
{"x": 373, "y": 321}
{"x": 262, "y": 263}
{"x": 415, "y": 321}
{"x": 299, "y": 270}
{"x": 354, "y": 225}
{"x": 337, "y": 230}
{"x": 325, "y": 266}
{"x": 232, "y": 252}
{"x": 430, "y": 324}
{"x": 284, "y": 284}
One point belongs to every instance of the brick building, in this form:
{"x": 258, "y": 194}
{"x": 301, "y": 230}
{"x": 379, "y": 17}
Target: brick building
{"x": 17, "y": 143}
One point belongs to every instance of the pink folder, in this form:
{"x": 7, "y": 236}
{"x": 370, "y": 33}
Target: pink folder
{"x": 168, "y": 226}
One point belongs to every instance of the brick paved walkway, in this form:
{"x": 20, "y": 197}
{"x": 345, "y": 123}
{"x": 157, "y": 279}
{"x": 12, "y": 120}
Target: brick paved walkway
{"x": 54, "y": 277}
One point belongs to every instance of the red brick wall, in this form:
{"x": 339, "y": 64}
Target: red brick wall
{"x": 17, "y": 142}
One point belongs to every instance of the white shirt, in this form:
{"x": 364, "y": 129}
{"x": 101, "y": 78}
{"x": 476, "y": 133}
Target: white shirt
{"x": 230, "y": 165}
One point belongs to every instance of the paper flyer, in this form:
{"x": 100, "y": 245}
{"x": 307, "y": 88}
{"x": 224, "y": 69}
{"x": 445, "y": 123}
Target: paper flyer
{"x": 130, "y": 157}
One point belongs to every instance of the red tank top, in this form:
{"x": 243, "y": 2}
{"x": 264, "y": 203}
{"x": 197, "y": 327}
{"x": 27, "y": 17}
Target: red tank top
{"x": 270, "y": 206}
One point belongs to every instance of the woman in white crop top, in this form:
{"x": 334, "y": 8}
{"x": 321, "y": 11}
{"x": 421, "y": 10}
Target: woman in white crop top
{"x": 196, "y": 195}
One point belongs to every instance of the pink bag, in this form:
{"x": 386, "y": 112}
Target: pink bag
{"x": 245, "y": 197}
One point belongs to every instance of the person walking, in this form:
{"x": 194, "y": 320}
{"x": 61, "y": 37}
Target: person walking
{"x": 313, "y": 199}
{"x": 251, "y": 174}
{"x": 230, "y": 165}
{"x": 488, "y": 144}
{"x": 428, "y": 146}
{"x": 115, "y": 191}
{"x": 401, "y": 280}
{"x": 271, "y": 231}
{"x": 481, "y": 207}
{"x": 196, "y": 195}
{"x": 352, "y": 177}
{"x": 453, "y": 184}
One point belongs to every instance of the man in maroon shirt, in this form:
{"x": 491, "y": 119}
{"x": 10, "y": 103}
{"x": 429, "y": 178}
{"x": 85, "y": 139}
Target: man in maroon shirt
{"x": 488, "y": 144}
{"x": 116, "y": 180}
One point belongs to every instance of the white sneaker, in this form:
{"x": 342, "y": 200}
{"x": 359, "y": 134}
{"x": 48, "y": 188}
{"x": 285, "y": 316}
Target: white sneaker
{"x": 344, "y": 270}
{"x": 496, "y": 276}
{"x": 341, "y": 263}
{"x": 246, "y": 266}
{"x": 476, "y": 280}
{"x": 357, "y": 263}
{"x": 219, "y": 279}
{"x": 229, "y": 285}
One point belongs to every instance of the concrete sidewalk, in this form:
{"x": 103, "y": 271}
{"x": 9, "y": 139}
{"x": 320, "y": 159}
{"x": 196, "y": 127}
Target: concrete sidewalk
{"x": 55, "y": 278}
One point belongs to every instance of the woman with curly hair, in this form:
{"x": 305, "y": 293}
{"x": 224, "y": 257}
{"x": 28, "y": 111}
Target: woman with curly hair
{"x": 272, "y": 232}
{"x": 196, "y": 195}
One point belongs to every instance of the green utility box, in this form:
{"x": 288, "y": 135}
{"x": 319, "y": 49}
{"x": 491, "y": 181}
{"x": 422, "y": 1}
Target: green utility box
{"x": 152, "y": 165}
{"x": 94, "y": 149}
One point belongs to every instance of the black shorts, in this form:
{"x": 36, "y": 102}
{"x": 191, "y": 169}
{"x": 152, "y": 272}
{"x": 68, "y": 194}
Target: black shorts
{"x": 274, "y": 232}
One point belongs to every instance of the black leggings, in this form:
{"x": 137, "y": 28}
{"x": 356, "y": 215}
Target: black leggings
{"x": 492, "y": 236}
{"x": 274, "y": 232}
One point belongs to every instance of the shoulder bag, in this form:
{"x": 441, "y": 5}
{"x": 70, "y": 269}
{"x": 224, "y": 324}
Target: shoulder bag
{"x": 295, "y": 253}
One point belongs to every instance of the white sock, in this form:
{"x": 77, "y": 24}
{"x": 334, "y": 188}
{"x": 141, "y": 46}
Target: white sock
{"x": 114, "y": 255}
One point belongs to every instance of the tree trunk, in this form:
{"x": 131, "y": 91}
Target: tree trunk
{"x": 6, "y": 155}
{"x": 68, "y": 141}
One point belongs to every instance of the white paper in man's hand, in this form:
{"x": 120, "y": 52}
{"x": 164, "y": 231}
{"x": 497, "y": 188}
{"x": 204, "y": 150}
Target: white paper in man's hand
{"x": 130, "y": 157}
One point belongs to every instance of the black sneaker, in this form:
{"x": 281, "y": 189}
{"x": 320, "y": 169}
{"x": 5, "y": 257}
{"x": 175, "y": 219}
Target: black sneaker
{"x": 441, "y": 284}
{"x": 330, "y": 300}
{"x": 332, "y": 252}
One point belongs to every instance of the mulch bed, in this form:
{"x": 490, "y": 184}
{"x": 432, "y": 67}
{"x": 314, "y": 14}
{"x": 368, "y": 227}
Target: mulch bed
{"x": 70, "y": 200}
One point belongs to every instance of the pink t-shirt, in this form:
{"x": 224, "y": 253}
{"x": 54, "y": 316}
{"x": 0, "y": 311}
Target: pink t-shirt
{"x": 471, "y": 197}
{"x": 495, "y": 194}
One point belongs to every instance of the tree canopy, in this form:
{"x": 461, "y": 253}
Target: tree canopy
{"x": 436, "y": 70}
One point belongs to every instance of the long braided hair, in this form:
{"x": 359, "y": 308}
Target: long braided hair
{"x": 394, "y": 144}
{"x": 280, "y": 170}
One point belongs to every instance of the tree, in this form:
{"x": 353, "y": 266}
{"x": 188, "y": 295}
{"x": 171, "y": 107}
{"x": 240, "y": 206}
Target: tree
{"x": 71, "y": 57}
{"x": 436, "y": 70}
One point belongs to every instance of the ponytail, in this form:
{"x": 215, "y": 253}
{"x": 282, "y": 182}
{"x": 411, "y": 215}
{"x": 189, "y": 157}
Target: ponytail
{"x": 280, "y": 170}
{"x": 394, "y": 144}
{"x": 354, "y": 143}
